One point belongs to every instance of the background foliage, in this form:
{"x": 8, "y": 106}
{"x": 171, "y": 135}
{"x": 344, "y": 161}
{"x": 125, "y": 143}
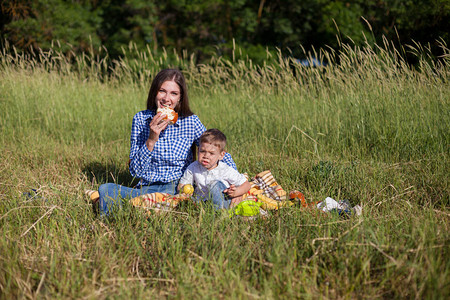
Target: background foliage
{"x": 208, "y": 27}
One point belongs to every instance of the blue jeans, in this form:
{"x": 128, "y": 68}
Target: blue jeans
{"x": 111, "y": 194}
{"x": 220, "y": 200}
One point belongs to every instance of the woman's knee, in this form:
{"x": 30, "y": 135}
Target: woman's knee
{"x": 108, "y": 193}
{"x": 106, "y": 188}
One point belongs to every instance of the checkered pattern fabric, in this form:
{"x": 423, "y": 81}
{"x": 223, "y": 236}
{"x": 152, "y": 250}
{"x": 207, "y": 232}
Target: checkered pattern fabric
{"x": 172, "y": 152}
{"x": 265, "y": 182}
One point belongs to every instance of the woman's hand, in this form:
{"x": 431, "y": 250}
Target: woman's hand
{"x": 157, "y": 125}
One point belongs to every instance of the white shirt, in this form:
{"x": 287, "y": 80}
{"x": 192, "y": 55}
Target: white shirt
{"x": 202, "y": 177}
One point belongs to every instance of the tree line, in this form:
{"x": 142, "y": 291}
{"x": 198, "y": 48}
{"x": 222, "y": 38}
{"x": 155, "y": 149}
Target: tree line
{"x": 210, "y": 27}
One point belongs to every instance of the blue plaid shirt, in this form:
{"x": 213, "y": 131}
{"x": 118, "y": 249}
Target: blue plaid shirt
{"x": 172, "y": 152}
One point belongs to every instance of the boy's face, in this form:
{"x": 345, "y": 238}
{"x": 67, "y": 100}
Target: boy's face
{"x": 209, "y": 155}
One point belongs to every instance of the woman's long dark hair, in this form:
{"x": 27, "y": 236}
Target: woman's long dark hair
{"x": 175, "y": 75}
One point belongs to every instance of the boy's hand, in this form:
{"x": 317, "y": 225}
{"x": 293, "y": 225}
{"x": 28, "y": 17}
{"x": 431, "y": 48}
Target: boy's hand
{"x": 231, "y": 191}
{"x": 187, "y": 189}
{"x": 234, "y": 191}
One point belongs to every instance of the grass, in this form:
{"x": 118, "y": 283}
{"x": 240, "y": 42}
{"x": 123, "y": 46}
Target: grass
{"x": 368, "y": 128}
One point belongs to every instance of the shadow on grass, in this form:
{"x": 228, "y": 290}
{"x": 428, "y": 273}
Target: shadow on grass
{"x": 99, "y": 173}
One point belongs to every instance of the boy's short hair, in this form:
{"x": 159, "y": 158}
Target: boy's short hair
{"x": 214, "y": 137}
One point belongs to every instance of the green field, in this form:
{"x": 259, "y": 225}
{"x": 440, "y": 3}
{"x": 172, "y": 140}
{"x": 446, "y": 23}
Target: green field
{"x": 368, "y": 128}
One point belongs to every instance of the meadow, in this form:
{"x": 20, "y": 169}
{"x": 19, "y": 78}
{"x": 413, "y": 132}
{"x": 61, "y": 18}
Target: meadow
{"x": 368, "y": 127}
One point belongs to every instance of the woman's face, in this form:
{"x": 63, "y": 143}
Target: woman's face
{"x": 168, "y": 95}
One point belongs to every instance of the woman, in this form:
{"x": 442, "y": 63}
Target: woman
{"x": 159, "y": 152}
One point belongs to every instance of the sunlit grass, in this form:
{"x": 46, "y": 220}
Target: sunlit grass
{"x": 368, "y": 127}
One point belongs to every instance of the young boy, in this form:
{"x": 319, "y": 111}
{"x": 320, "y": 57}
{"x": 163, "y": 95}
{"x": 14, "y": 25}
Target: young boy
{"x": 214, "y": 179}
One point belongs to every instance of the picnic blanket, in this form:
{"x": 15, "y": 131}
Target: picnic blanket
{"x": 157, "y": 201}
{"x": 264, "y": 189}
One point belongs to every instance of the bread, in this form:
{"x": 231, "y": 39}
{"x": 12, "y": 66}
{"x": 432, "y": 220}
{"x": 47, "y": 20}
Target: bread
{"x": 169, "y": 113}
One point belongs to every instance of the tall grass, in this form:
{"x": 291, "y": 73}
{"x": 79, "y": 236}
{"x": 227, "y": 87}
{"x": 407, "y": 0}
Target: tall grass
{"x": 368, "y": 127}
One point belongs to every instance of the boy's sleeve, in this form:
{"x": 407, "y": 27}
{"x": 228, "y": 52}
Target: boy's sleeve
{"x": 188, "y": 176}
{"x": 240, "y": 179}
{"x": 234, "y": 177}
